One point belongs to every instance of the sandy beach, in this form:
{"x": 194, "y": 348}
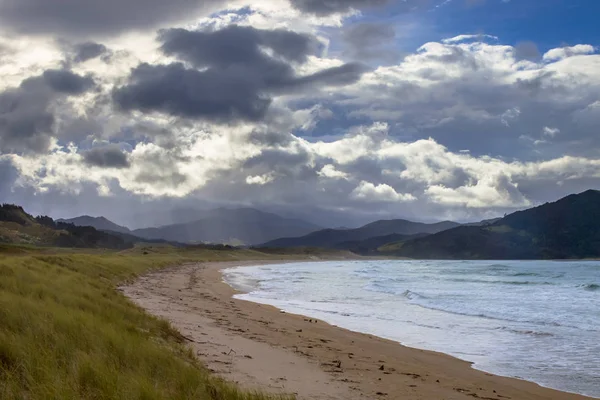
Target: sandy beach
{"x": 261, "y": 348}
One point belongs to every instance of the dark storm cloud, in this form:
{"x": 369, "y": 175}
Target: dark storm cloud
{"x": 65, "y": 81}
{"x": 237, "y": 77}
{"x": 367, "y": 40}
{"x": 84, "y": 18}
{"x": 110, "y": 156}
{"x": 8, "y": 175}
{"x": 270, "y": 139}
{"x": 326, "y": 7}
{"x": 26, "y": 115}
{"x": 211, "y": 94}
{"x": 236, "y": 45}
{"x": 25, "y": 121}
{"x": 87, "y": 51}
{"x": 335, "y": 76}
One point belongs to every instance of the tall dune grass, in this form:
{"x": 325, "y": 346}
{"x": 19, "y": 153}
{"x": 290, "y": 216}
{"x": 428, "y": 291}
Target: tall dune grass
{"x": 67, "y": 333}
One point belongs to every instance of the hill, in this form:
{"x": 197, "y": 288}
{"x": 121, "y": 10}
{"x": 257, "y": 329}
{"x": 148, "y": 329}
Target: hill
{"x": 332, "y": 238}
{"x": 19, "y": 227}
{"x": 485, "y": 222}
{"x": 105, "y": 225}
{"x": 243, "y": 226}
{"x": 100, "y": 223}
{"x": 567, "y": 228}
{"x": 371, "y": 246}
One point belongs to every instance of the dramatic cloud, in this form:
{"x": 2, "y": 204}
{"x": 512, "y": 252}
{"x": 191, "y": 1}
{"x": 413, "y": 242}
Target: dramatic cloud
{"x": 179, "y": 91}
{"x": 235, "y": 78}
{"x": 481, "y": 97}
{"x": 490, "y": 191}
{"x": 326, "y": 7}
{"x": 64, "y": 81}
{"x": 382, "y": 192}
{"x": 84, "y": 18}
{"x": 110, "y": 156}
{"x": 87, "y": 51}
{"x": 27, "y": 115}
{"x": 134, "y": 104}
{"x": 237, "y": 45}
{"x": 25, "y": 119}
{"x": 370, "y": 40}
{"x": 410, "y": 176}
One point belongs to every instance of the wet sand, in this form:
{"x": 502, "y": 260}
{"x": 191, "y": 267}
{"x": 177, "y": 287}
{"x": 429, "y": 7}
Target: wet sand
{"x": 261, "y": 348}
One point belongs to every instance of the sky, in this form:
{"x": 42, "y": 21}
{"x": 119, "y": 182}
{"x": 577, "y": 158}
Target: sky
{"x": 338, "y": 112}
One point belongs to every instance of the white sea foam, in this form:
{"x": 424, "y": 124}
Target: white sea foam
{"x": 536, "y": 320}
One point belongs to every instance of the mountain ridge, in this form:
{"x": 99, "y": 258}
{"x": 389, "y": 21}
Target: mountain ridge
{"x": 240, "y": 226}
{"x": 329, "y": 238}
{"x": 566, "y": 228}
{"x": 100, "y": 223}
{"x": 19, "y": 227}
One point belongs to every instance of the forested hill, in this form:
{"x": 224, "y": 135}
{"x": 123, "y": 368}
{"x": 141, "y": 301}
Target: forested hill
{"x": 19, "y": 227}
{"x": 567, "y": 228}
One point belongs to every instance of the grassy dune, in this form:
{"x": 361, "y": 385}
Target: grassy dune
{"x": 67, "y": 333}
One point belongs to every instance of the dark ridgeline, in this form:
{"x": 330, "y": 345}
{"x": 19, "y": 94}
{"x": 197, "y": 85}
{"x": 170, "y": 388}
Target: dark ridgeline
{"x": 100, "y": 223}
{"x": 18, "y": 227}
{"x": 378, "y": 232}
{"x": 567, "y": 228}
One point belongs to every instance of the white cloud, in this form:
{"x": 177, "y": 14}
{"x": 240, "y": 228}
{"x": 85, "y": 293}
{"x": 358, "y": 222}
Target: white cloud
{"x": 260, "y": 179}
{"x": 209, "y": 165}
{"x": 464, "y": 38}
{"x": 382, "y": 192}
{"x": 568, "y": 51}
{"x": 25, "y": 57}
{"x": 329, "y": 171}
{"x": 551, "y": 132}
{"x": 489, "y": 192}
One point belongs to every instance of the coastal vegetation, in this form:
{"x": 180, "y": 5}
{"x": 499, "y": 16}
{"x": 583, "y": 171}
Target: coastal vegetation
{"x": 19, "y": 227}
{"x": 66, "y": 332}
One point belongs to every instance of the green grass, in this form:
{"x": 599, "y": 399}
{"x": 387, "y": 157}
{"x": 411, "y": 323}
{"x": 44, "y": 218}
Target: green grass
{"x": 499, "y": 229}
{"x": 67, "y": 333}
{"x": 391, "y": 247}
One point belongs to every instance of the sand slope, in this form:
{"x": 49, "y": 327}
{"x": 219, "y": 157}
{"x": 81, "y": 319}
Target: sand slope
{"x": 261, "y": 348}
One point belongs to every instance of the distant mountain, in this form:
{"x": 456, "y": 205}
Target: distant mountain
{"x": 332, "y": 238}
{"x": 485, "y": 222}
{"x": 99, "y": 223}
{"x": 243, "y": 226}
{"x": 567, "y": 228}
{"x": 129, "y": 238}
{"x": 19, "y": 227}
{"x": 371, "y": 246}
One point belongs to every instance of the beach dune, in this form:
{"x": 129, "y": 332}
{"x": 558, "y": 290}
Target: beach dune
{"x": 264, "y": 349}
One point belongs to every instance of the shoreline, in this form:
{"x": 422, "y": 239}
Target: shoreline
{"x": 278, "y": 352}
{"x": 240, "y": 290}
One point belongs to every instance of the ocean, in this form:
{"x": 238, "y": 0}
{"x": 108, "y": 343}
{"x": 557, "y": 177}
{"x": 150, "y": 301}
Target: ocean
{"x": 534, "y": 320}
